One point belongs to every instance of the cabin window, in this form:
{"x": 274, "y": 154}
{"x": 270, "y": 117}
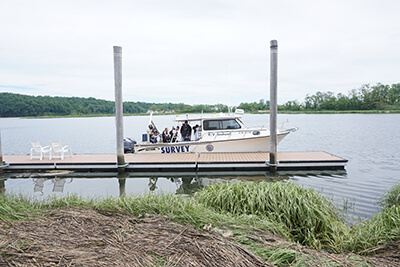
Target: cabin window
{"x": 230, "y": 124}
{"x": 220, "y": 125}
{"x": 211, "y": 125}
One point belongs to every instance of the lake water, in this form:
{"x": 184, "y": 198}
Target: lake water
{"x": 371, "y": 143}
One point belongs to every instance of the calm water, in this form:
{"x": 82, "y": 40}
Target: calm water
{"x": 371, "y": 143}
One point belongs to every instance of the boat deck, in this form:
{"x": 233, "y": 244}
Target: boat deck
{"x": 198, "y": 162}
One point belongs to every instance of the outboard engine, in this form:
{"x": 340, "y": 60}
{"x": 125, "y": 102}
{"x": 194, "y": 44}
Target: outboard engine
{"x": 129, "y": 145}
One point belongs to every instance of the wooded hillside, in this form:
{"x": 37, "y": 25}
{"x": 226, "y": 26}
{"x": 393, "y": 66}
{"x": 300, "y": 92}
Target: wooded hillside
{"x": 376, "y": 97}
{"x": 17, "y": 105}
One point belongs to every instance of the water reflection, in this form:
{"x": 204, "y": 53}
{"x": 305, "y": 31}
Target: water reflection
{"x": 122, "y": 182}
{"x": 184, "y": 185}
{"x": 190, "y": 185}
{"x": 58, "y": 184}
{"x": 102, "y": 183}
{"x": 153, "y": 183}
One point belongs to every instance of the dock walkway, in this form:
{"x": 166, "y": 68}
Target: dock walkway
{"x": 179, "y": 162}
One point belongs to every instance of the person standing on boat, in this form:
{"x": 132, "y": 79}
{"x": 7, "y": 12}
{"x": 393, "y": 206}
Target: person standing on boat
{"x": 196, "y": 130}
{"x": 186, "y": 131}
{"x": 178, "y": 136}
{"x": 166, "y": 138}
{"x": 173, "y": 134}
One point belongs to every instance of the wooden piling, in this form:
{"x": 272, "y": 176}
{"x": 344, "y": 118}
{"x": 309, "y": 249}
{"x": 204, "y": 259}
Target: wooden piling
{"x": 273, "y": 106}
{"x": 118, "y": 108}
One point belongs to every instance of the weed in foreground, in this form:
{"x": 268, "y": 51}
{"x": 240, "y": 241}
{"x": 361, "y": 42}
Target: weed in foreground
{"x": 391, "y": 197}
{"x": 305, "y": 215}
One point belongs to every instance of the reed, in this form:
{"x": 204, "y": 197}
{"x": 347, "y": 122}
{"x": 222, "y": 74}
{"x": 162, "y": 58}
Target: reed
{"x": 391, "y": 197}
{"x": 295, "y": 213}
{"x": 382, "y": 228}
{"x": 176, "y": 208}
{"x": 15, "y": 207}
{"x": 305, "y": 216}
{"x": 183, "y": 210}
{"x": 283, "y": 257}
{"x": 67, "y": 201}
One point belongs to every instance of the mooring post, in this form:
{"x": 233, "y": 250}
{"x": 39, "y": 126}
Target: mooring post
{"x": 273, "y": 110}
{"x": 118, "y": 108}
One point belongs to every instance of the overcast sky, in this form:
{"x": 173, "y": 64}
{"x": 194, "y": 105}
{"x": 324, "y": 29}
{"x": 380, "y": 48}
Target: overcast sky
{"x": 197, "y": 51}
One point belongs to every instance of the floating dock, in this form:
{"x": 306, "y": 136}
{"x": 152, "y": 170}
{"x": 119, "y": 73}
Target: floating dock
{"x": 179, "y": 162}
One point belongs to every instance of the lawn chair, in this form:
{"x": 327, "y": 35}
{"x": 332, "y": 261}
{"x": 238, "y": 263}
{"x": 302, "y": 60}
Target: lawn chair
{"x": 38, "y": 149}
{"x": 58, "y": 151}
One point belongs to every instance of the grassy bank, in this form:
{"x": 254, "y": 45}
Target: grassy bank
{"x": 246, "y": 212}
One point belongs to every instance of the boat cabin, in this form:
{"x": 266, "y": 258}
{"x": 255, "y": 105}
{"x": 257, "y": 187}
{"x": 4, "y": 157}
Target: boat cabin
{"x": 218, "y": 122}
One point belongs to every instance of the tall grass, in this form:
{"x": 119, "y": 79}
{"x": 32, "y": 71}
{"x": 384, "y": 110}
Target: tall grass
{"x": 176, "y": 208}
{"x": 183, "y": 210}
{"x": 304, "y": 214}
{"x": 16, "y": 207}
{"x": 391, "y": 197}
{"x": 295, "y": 213}
{"x": 383, "y": 227}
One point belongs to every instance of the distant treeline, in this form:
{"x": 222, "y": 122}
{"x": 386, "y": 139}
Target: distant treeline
{"x": 17, "y": 105}
{"x": 377, "y": 97}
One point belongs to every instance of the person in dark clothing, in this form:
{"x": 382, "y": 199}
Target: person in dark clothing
{"x": 165, "y": 136}
{"x": 186, "y": 131}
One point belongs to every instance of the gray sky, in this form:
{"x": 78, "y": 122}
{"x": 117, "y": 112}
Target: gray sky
{"x": 197, "y": 51}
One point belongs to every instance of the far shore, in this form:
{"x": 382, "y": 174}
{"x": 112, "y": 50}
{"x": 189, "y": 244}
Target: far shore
{"x": 394, "y": 111}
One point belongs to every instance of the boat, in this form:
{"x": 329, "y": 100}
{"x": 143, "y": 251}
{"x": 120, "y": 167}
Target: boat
{"x": 221, "y": 132}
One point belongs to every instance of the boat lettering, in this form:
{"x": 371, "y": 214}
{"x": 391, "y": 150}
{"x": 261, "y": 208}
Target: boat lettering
{"x": 174, "y": 149}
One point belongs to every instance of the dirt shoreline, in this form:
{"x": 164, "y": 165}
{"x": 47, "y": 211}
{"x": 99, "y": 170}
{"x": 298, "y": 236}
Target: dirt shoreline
{"x": 88, "y": 237}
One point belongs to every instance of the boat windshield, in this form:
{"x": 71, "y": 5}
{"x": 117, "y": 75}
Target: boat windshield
{"x": 220, "y": 124}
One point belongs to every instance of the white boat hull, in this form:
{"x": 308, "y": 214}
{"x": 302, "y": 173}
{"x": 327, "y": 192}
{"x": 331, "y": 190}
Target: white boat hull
{"x": 250, "y": 144}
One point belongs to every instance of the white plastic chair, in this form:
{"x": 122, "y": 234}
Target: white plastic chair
{"x": 38, "y": 149}
{"x": 58, "y": 151}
